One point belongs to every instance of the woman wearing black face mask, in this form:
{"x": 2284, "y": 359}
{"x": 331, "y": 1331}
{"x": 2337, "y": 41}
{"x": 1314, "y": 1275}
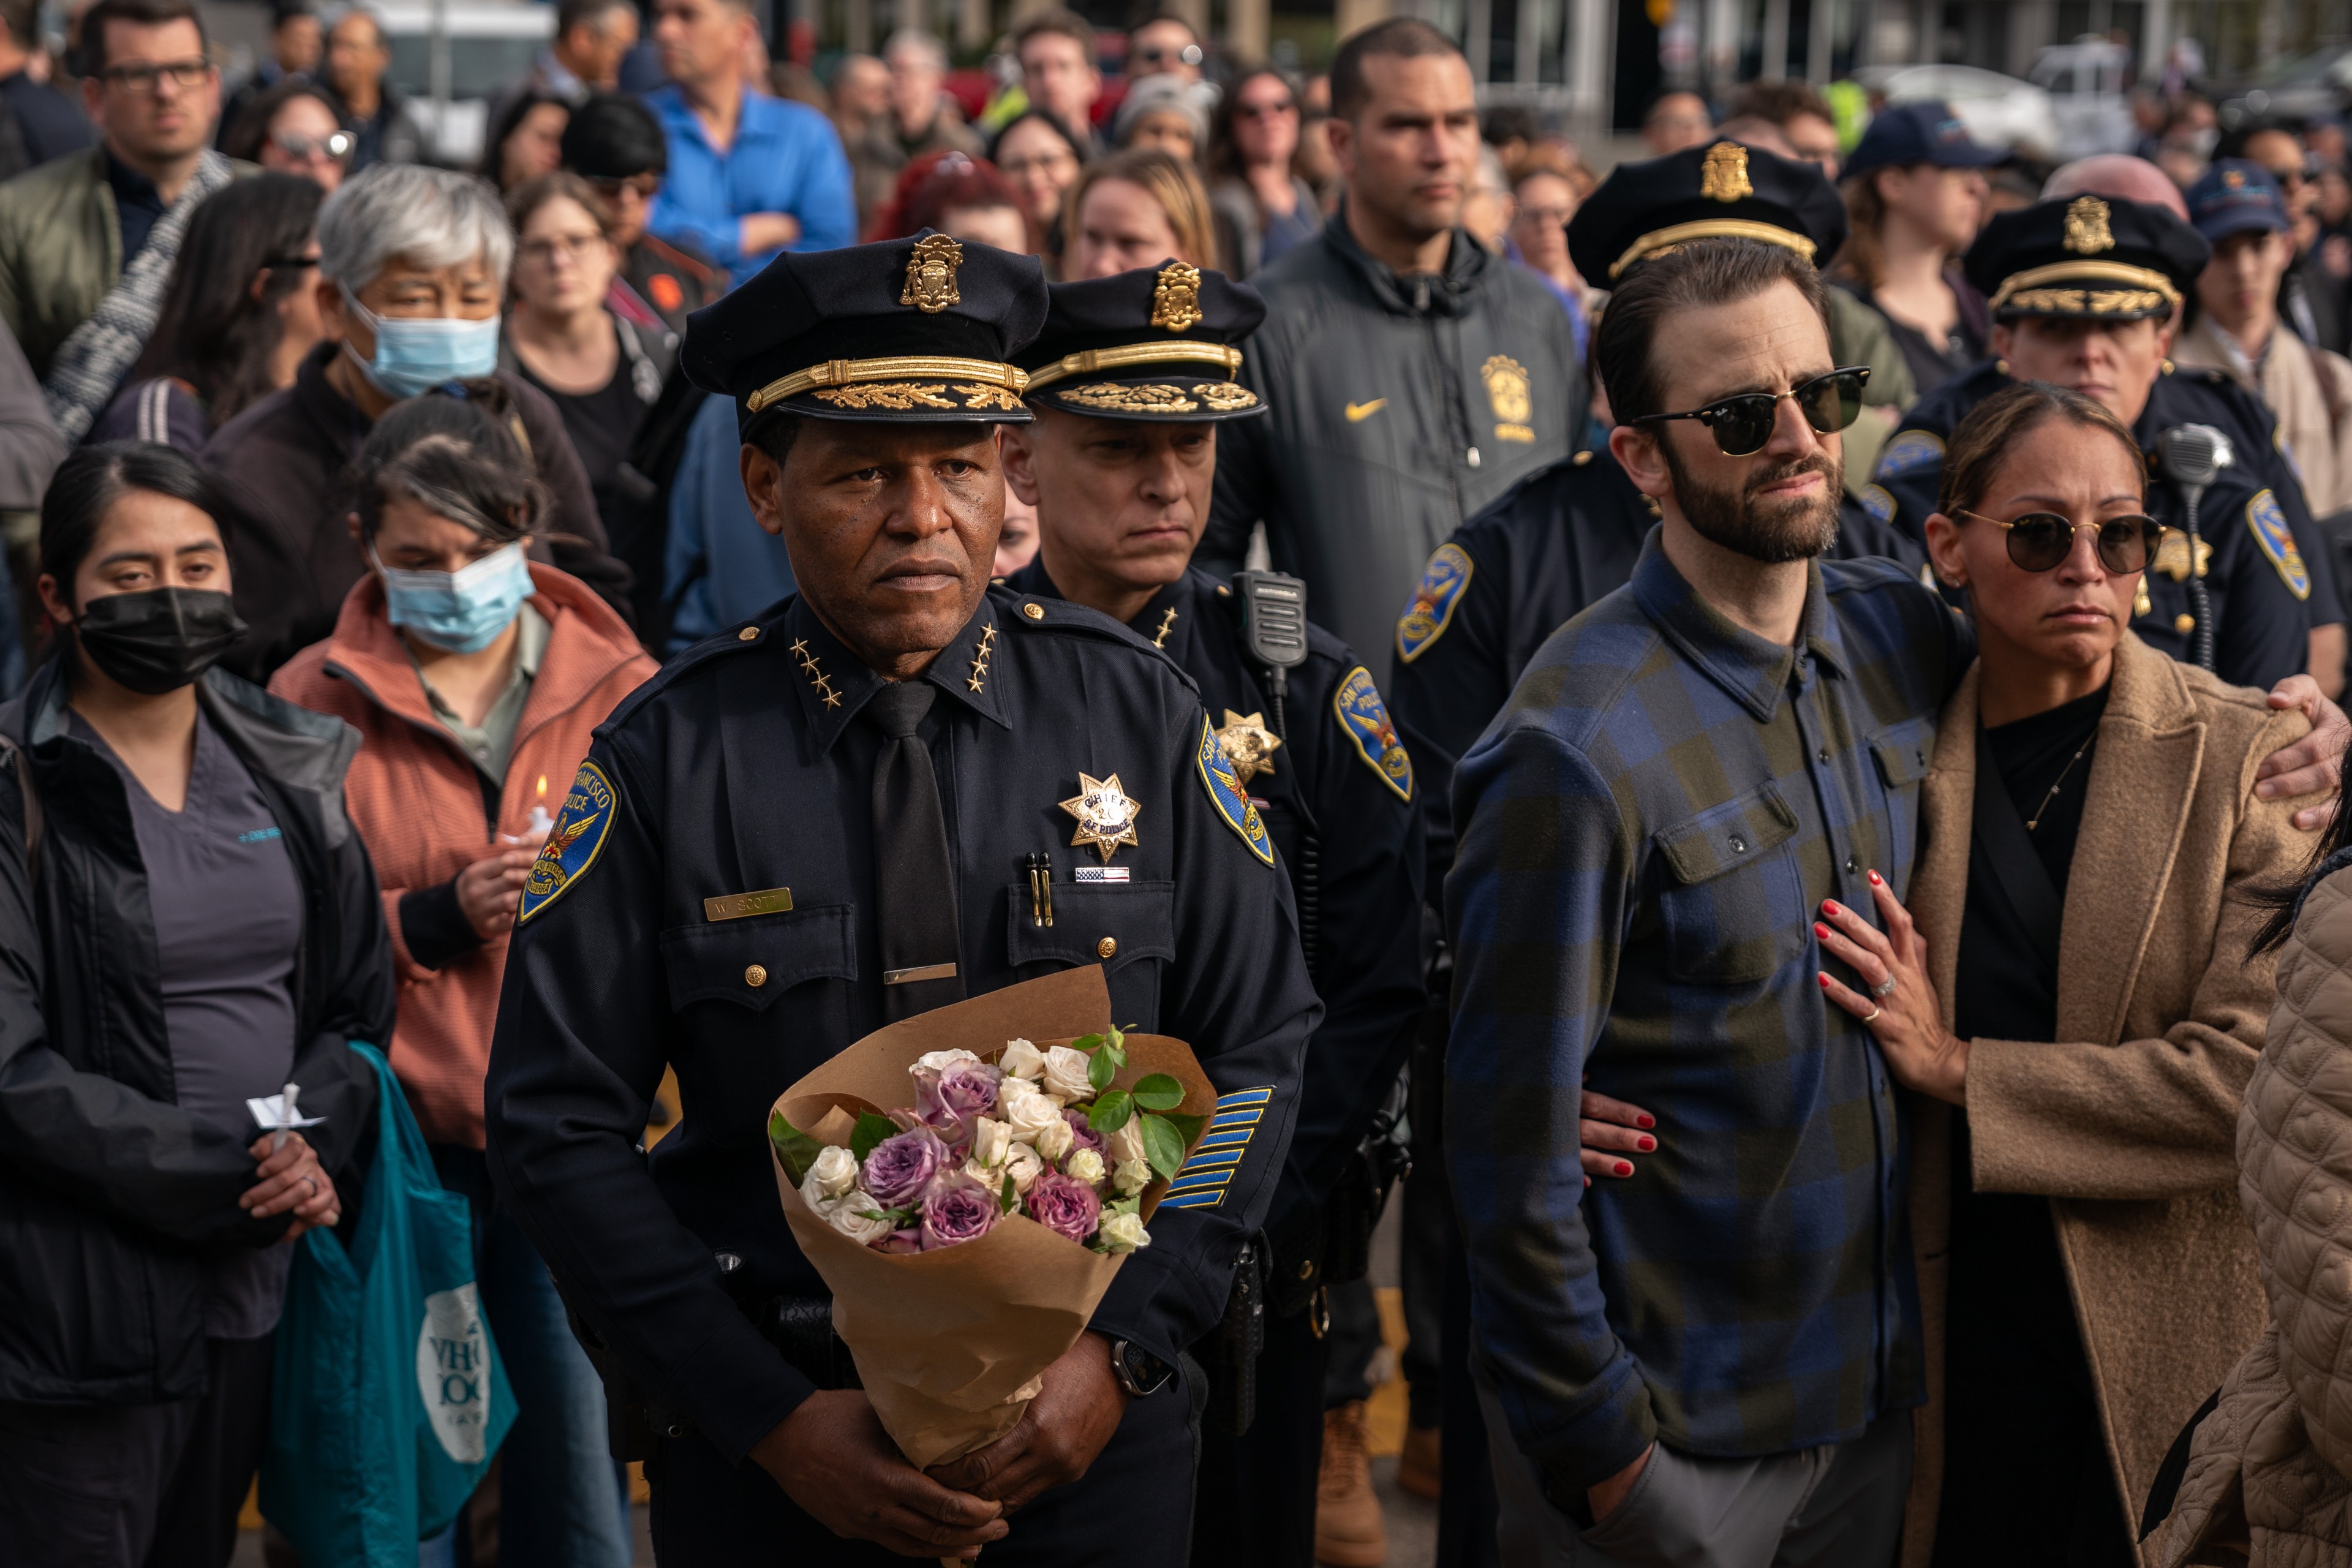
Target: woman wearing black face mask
{"x": 193, "y": 925}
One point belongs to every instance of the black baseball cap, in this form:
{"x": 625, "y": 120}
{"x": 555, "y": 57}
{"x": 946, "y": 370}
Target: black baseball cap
{"x": 1901, "y": 134}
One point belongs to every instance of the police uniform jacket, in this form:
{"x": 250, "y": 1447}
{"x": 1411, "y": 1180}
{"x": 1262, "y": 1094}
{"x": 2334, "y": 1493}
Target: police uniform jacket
{"x": 2263, "y": 589}
{"x": 1341, "y": 759}
{"x": 742, "y": 768}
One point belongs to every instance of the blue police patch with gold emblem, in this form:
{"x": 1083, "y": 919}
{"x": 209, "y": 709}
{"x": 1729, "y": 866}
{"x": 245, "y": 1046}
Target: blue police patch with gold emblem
{"x": 1361, "y": 714}
{"x": 573, "y": 844}
{"x": 1876, "y": 502}
{"x": 1907, "y": 454}
{"x": 1225, "y": 794}
{"x": 1425, "y": 619}
{"x": 2266, "y": 520}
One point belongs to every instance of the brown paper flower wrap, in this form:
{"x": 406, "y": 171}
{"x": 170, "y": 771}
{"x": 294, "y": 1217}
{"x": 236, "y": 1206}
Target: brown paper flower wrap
{"x": 949, "y": 1343}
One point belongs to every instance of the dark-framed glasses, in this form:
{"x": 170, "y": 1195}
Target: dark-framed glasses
{"x": 142, "y": 77}
{"x": 335, "y": 145}
{"x": 2040, "y": 541}
{"x": 1743, "y": 423}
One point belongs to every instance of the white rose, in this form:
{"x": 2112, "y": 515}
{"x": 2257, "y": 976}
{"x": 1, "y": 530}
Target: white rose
{"x": 1022, "y": 1059}
{"x": 1132, "y": 1177}
{"x": 848, "y": 1216}
{"x": 1055, "y": 1140}
{"x": 1121, "y": 1232}
{"x": 1028, "y": 1113}
{"x": 1127, "y": 1143}
{"x": 1065, "y": 1074}
{"x": 1086, "y": 1167}
{"x": 834, "y": 1173}
{"x": 1023, "y": 1166}
{"x": 991, "y": 1140}
{"x": 940, "y": 1061}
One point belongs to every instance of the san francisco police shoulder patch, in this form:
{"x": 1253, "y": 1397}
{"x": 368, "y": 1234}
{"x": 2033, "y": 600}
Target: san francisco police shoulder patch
{"x": 2266, "y": 520}
{"x": 1909, "y": 452}
{"x": 1875, "y": 500}
{"x": 572, "y": 845}
{"x": 1226, "y": 794}
{"x": 1364, "y": 717}
{"x": 1440, "y": 589}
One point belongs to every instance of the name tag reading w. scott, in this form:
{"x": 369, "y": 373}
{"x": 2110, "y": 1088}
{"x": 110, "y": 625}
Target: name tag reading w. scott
{"x": 1102, "y": 873}
{"x": 735, "y": 906}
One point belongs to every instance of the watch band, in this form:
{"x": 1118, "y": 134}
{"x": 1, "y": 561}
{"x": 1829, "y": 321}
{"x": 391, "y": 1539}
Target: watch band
{"x": 1138, "y": 1371}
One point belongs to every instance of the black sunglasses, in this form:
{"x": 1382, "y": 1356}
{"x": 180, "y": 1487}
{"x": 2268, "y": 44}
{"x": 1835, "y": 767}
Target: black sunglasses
{"x": 2040, "y": 541}
{"x": 1743, "y": 423}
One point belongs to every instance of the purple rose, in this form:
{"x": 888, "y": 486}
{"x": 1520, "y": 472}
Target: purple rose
{"x": 1082, "y": 1136}
{"x": 899, "y": 1168}
{"x": 1067, "y": 1207}
{"x": 957, "y": 1212}
{"x": 954, "y": 1097}
{"x": 900, "y": 1241}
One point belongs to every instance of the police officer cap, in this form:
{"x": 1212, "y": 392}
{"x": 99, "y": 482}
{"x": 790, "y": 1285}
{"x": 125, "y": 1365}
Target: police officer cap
{"x": 917, "y": 331}
{"x": 1724, "y": 191}
{"x": 2095, "y": 257}
{"x": 1153, "y": 344}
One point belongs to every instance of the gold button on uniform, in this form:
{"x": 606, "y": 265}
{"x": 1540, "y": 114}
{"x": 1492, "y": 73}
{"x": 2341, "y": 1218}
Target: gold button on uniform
{"x": 1108, "y": 947}
{"x": 1034, "y": 612}
{"x": 2184, "y": 623}
{"x": 748, "y": 634}
{"x": 756, "y": 976}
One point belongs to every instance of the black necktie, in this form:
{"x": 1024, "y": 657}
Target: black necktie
{"x": 913, "y": 884}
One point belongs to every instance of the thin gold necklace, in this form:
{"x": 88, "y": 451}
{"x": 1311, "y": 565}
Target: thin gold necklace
{"x": 2035, "y": 820}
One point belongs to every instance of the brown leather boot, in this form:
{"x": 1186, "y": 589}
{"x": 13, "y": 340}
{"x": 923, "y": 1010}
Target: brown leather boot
{"x": 1418, "y": 1467}
{"x": 1348, "y": 1530}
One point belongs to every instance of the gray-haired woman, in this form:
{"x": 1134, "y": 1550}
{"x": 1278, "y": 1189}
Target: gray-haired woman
{"x": 412, "y": 265}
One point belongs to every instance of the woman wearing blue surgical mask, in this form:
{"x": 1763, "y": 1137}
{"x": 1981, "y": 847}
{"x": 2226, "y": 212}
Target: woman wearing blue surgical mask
{"x": 475, "y": 677}
{"x": 412, "y": 270}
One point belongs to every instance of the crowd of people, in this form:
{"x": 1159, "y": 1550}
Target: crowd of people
{"x": 1738, "y": 594}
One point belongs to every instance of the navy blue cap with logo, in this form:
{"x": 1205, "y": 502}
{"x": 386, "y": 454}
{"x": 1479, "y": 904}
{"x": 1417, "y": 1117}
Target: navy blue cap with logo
{"x": 1154, "y": 343}
{"x": 920, "y": 331}
{"x": 1904, "y": 134}
{"x": 2234, "y": 195}
{"x": 1724, "y": 191}
{"x": 2087, "y": 256}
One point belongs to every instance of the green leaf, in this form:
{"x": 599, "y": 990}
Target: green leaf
{"x": 1188, "y": 1127}
{"x": 1101, "y": 1068}
{"x": 1159, "y": 1092}
{"x": 872, "y": 1128}
{"x": 899, "y": 1218}
{"x": 1162, "y": 1147}
{"x": 1085, "y": 1042}
{"x": 1111, "y": 1113}
{"x": 795, "y": 1148}
{"x": 1009, "y": 1197}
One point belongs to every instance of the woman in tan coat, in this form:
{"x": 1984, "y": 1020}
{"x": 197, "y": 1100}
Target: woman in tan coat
{"x": 2072, "y": 1010}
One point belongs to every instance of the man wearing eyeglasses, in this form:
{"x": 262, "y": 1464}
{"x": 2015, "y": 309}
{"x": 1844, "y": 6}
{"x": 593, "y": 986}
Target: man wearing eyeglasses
{"x": 1163, "y": 45}
{"x": 98, "y": 233}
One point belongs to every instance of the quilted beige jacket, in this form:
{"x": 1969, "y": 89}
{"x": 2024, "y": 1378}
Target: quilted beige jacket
{"x": 2266, "y": 1478}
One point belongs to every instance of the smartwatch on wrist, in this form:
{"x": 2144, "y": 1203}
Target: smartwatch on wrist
{"x": 1138, "y": 1370}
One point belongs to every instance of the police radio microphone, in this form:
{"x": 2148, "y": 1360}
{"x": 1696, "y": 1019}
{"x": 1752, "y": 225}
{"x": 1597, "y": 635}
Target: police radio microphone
{"x": 2192, "y": 456}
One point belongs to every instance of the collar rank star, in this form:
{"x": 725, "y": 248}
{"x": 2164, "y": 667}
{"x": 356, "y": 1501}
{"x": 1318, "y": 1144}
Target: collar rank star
{"x": 816, "y": 677}
{"x": 1106, "y": 816}
{"x": 1248, "y": 745}
{"x": 979, "y": 676}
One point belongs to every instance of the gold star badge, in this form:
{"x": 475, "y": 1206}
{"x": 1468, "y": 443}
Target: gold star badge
{"x": 1248, "y": 745}
{"x": 1106, "y": 816}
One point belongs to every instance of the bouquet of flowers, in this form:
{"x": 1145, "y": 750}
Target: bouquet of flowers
{"x": 967, "y": 1237}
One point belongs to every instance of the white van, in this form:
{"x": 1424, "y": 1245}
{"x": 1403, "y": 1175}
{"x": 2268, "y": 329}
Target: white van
{"x": 490, "y": 42}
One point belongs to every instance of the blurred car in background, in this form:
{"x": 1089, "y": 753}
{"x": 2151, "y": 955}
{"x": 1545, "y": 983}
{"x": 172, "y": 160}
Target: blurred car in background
{"x": 490, "y": 42}
{"x": 1998, "y": 110}
{"x": 2318, "y": 81}
{"x": 2085, "y": 81}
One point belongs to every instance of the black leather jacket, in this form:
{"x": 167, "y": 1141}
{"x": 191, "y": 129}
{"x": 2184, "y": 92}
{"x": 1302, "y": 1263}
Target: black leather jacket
{"x": 110, "y": 1195}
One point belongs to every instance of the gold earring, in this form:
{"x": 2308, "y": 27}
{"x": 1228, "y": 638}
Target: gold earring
{"x": 2166, "y": 366}
{"x": 2002, "y": 365}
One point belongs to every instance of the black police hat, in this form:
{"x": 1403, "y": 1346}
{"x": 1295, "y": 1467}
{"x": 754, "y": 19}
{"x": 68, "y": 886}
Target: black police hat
{"x": 917, "y": 331}
{"x": 2097, "y": 256}
{"x": 1154, "y": 343}
{"x": 1722, "y": 191}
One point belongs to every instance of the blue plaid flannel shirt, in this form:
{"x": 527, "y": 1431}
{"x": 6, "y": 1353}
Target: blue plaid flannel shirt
{"x": 1647, "y": 830}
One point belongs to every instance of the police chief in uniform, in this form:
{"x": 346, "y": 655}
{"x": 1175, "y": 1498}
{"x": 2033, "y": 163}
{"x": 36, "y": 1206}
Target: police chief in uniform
{"x": 2084, "y": 290}
{"x": 1130, "y": 381}
{"x": 857, "y": 806}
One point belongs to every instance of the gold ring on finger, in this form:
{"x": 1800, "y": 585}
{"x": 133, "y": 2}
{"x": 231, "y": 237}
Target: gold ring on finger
{"x": 1874, "y": 1015}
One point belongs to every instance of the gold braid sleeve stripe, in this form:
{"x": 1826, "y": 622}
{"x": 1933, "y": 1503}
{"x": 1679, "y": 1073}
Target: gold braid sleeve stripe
{"x": 2081, "y": 273}
{"x": 848, "y": 371}
{"x": 1661, "y": 240}
{"x": 1088, "y": 362}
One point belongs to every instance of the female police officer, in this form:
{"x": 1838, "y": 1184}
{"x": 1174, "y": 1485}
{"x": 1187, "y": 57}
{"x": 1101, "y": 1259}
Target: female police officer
{"x": 825, "y": 819}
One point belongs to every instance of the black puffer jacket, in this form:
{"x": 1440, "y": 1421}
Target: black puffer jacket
{"x": 110, "y": 1195}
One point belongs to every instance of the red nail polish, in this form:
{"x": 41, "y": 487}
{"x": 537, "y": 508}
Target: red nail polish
{"x": 1829, "y": 905}
{"x": 1821, "y": 930}
{"x": 1823, "y": 978}
{"x": 1625, "y": 1167}
{"x": 1874, "y": 880}
{"x": 1645, "y": 1121}
{"x": 1643, "y": 1145}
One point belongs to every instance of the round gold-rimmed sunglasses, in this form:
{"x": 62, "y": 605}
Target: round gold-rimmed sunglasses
{"x": 1743, "y": 423}
{"x": 2040, "y": 541}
